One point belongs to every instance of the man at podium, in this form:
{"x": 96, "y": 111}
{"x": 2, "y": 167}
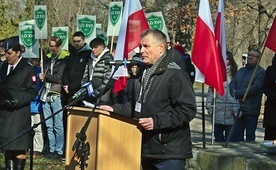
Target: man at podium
{"x": 165, "y": 104}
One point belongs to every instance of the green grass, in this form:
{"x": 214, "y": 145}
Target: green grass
{"x": 39, "y": 163}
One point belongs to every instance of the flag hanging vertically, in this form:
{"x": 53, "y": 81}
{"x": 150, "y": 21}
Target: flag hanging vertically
{"x": 133, "y": 24}
{"x": 220, "y": 38}
{"x": 271, "y": 38}
{"x": 205, "y": 53}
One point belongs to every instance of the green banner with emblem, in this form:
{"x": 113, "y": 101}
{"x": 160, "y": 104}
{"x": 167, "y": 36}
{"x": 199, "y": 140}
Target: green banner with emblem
{"x": 115, "y": 12}
{"x": 40, "y": 16}
{"x": 156, "y": 21}
{"x": 27, "y": 38}
{"x": 87, "y": 25}
{"x": 115, "y": 18}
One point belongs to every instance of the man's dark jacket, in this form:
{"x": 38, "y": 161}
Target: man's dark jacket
{"x": 169, "y": 99}
{"x": 74, "y": 69}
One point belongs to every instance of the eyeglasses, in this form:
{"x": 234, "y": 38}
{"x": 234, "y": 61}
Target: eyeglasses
{"x": 251, "y": 55}
{"x": 78, "y": 41}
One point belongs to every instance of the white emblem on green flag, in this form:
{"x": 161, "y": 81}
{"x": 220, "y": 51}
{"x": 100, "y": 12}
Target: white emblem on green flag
{"x": 87, "y": 26}
{"x": 27, "y": 37}
{"x": 115, "y": 13}
{"x": 40, "y": 16}
{"x": 155, "y": 22}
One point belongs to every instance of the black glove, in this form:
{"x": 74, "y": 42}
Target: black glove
{"x": 9, "y": 103}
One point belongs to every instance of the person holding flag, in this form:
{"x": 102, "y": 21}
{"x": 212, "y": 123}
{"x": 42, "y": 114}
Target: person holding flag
{"x": 250, "y": 105}
{"x": 163, "y": 107}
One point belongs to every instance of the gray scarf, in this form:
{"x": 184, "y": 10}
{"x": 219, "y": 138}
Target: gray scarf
{"x": 151, "y": 70}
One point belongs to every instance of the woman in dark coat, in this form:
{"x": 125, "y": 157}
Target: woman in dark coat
{"x": 269, "y": 88}
{"x": 19, "y": 77}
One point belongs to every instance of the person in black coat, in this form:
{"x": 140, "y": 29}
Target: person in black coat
{"x": 15, "y": 117}
{"x": 189, "y": 67}
{"x": 72, "y": 78}
{"x": 269, "y": 89}
{"x": 164, "y": 105}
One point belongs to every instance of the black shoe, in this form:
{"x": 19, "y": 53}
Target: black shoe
{"x": 57, "y": 156}
{"x": 48, "y": 155}
{"x": 53, "y": 155}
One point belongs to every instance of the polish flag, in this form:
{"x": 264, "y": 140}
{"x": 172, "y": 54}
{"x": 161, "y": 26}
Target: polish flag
{"x": 205, "y": 52}
{"x": 271, "y": 38}
{"x": 134, "y": 22}
{"x": 220, "y": 38}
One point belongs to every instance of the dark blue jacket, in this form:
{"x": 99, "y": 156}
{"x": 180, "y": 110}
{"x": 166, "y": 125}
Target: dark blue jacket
{"x": 239, "y": 84}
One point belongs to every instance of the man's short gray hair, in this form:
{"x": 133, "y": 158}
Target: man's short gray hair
{"x": 159, "y": 36}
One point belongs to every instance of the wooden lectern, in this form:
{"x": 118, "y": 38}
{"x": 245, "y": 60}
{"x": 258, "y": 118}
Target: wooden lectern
{"x": 114, "y": 140}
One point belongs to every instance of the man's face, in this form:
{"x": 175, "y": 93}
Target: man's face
{"x": 78, "y": 42}
{"x": 97, "y": 50}
{"x": 150, "y": 52}
{"x": 252, "y": 58}
{"x": 54, "y": 48}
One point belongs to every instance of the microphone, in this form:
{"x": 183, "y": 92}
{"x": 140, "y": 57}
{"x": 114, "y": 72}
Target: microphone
{"x": 121, "y": 62}
{"x": 87, "y": 88}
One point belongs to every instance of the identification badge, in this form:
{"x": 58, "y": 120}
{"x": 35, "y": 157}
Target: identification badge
{"x": 138, "y": 107}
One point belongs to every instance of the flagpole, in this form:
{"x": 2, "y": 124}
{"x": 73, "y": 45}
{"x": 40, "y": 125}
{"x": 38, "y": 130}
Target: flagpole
{"x": 112, "y": 41}
{"x": 203, "y": 116}
{"x": 41, "y": 53}
{"x": 213, "y": 115}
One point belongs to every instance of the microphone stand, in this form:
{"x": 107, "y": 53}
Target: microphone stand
{"x": 79, "y": 143}
{"x": 32, "y": 132}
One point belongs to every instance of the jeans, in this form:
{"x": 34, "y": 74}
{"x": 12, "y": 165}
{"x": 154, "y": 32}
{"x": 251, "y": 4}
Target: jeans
{"x": 38, "y": 137}
{"x": 247, "y": 123}
{"x": 221, "y": 132}
{"x": 54, "y": 125}
{"x": 153, "y": 164}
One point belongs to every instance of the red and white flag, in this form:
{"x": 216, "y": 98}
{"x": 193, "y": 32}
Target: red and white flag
{"x": 220, "y": 38}
{"x": 271, "y": 38}
{"x": 205, "y": 53}
{"x": 133, "y": 24}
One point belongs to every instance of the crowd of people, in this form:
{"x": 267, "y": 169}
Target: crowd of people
{"x": 154, "y": 95}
